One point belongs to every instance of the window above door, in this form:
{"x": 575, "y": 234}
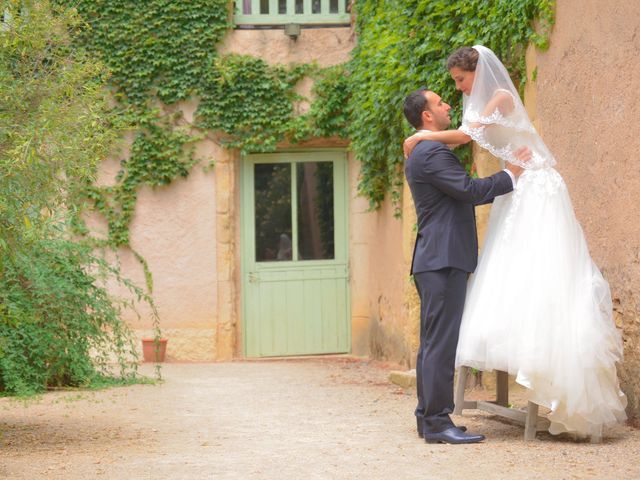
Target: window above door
{"x": 281, "y": 12}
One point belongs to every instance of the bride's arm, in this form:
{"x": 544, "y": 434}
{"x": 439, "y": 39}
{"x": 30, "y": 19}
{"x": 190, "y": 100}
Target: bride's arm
{"x": 450, "y": 137}
{"x": 502, "y": 101}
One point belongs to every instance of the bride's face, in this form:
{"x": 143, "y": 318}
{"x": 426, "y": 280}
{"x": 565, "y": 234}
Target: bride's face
{"x": 463, "y": 79}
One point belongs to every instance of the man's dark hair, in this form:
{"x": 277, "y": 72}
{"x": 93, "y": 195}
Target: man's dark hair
{"x": 414, "y": 105}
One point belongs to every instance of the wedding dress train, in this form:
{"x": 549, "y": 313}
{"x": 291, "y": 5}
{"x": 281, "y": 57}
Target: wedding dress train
{"x": 538, "y": 307}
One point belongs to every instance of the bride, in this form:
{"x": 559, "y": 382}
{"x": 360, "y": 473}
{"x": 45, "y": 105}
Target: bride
{"x": 537, "y": 306}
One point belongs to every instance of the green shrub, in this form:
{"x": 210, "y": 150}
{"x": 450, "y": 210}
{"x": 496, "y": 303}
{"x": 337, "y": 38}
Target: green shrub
{"x": 58, "y": 324}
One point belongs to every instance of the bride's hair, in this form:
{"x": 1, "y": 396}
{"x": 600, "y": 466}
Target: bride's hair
{"x": 465, "y": 58}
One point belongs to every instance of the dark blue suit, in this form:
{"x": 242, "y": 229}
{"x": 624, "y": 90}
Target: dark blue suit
{"x": 446, "y": 251}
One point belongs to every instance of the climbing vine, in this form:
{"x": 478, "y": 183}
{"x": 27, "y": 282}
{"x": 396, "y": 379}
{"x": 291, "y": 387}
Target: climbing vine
{"x": 159, "y": 154}
{"x": 159, "y": 48}
{"x": 328, "y": 115}
{"x": 165, "y": 53}
{"x": 251, "y": 103}
{"x": 402, "y": 45}
{"x": 157, "y": 56}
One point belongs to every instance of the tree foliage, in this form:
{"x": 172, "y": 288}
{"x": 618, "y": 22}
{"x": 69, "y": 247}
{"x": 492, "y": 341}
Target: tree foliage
{"x": 58, "y": 324}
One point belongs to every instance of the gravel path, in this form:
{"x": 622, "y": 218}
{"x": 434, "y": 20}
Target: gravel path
{"x": 334, "y": 418}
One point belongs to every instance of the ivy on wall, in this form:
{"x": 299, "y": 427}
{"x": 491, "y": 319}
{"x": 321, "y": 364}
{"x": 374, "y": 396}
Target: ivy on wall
{"x": 157, "y": 55}
{"x": 166, "y": 52}
{"x": 402, "y": 45}
{"x": 156, "y": 48}
{"x": 251, "y": 103}
{"x": 159, "y": 154}
{"x": 328, "y": 115}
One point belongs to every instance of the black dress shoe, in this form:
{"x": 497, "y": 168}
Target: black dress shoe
{"x": 420, "y": 426}
{"x": 452, "y": 435}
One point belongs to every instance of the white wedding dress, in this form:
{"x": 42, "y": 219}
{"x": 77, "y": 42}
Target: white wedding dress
{"x": 537, "y": 306}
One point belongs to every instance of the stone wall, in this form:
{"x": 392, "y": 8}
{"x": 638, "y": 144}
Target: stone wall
{"x": 587, "y": 111}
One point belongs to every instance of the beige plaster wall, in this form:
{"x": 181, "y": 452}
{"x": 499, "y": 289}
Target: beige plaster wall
{"x": 486, "y": 165}
{"x": 385, "y": 307}
{"x": 361, "y": 224}
{"x": 390, "y": 326}
{"x": 588, "y": 113}
{"x": 583, "y": 104}
{"x": 175, "y": 229}
{"x": 326, "y": 46}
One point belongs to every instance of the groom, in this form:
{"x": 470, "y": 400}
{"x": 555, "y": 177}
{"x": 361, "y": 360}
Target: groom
{"x": 446, "y": 251}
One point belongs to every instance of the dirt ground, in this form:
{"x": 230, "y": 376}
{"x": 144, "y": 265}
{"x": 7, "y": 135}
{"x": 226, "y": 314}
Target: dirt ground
{"x": 327, "y": 418}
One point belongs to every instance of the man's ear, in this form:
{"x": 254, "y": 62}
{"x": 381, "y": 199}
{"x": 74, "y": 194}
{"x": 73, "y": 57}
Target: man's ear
{"x": 427, "y": 116}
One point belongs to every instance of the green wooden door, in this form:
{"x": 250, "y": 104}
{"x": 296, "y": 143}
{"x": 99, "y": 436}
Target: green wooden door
{"x": 294, "y": 254}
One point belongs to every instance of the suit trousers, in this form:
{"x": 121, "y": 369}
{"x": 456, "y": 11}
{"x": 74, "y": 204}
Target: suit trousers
{"x": 442, "y": 294}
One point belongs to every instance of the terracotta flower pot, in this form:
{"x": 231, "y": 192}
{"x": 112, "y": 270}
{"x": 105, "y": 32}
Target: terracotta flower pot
{"x": 149, "y": 352}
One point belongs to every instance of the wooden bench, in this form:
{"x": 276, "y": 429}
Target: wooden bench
{"x": 532, "y": 422}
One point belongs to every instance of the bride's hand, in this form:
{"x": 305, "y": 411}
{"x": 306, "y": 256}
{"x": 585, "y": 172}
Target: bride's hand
{"x": 523, "y": 154}
{"x": 411, "y": 142}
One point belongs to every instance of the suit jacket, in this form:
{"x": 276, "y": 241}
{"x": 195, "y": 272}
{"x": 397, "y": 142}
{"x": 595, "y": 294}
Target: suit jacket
{"x": 444, "y": 196}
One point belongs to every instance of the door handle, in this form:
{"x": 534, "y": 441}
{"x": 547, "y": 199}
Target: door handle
{"x": 253, "y": 277}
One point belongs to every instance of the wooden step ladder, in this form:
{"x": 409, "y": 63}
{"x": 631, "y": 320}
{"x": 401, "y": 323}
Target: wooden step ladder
{"x": 532, "y": 422}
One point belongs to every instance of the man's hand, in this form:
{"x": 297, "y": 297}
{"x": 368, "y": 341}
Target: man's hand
{"x": 524, "y": 155}
{"x": 515, "y": 169}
